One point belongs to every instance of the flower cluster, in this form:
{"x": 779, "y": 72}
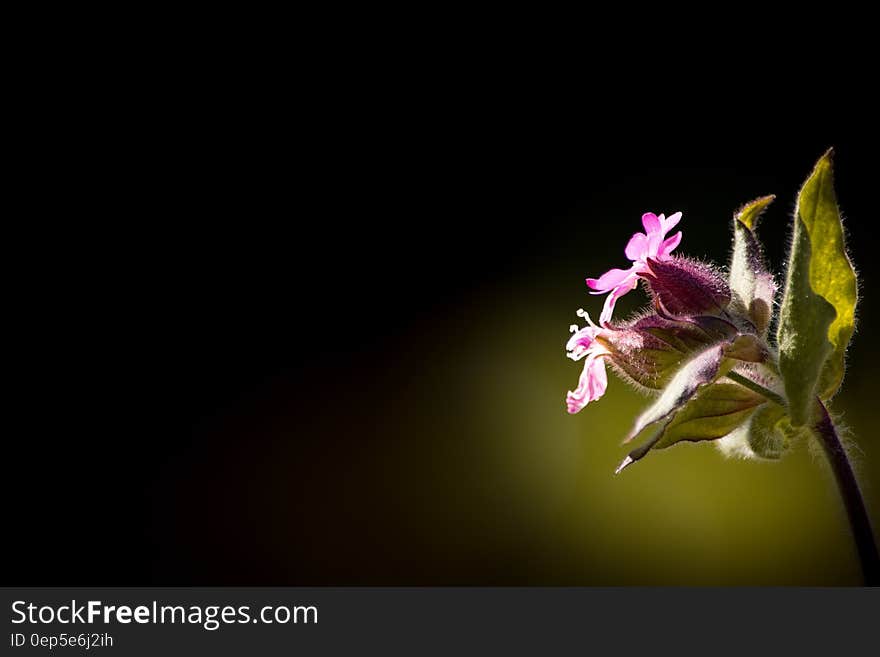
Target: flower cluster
{"x": 701, "y": 346}
{"x": 704, "y": 348}
{"x": 682, "y": 289}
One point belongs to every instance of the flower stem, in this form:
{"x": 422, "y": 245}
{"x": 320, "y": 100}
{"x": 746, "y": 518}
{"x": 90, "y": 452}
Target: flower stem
{"x": 852, "y": 497}
{"x": 756, "y": 387}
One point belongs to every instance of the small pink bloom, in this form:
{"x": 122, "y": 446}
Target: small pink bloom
{"x": 653, "y": 244}
{"x": 593, "y": 379}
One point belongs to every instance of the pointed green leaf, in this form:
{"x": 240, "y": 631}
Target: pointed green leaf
{"x": 713, "y": 413}
{"x": 817, "y": 317}
{"x": 804, "y": 320}
{"x": 749, "y": 214}
{"x": 831, "y": 273}
{"x": 701, "y": 369}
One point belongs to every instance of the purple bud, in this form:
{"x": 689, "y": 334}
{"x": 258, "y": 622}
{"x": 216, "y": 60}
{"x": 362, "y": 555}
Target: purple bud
{"x": 648, "y": 350}
{"x": 683, "y": 287}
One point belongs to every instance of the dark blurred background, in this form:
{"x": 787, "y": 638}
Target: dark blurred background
{"x": 322, "y": 342}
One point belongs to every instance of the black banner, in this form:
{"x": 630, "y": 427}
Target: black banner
{"x": 415, "y": 621}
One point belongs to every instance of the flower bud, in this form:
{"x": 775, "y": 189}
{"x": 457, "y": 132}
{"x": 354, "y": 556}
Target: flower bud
{"x": 683, "y": 287}
{"x": 648, "y": 350}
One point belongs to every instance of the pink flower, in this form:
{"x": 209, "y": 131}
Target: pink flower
{"x": 650, "y": 244}
{"x": 593, "y": 380}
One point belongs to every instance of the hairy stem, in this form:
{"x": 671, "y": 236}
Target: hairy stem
{"x": 852, "y": 497}
{"x": 756, "y": 387}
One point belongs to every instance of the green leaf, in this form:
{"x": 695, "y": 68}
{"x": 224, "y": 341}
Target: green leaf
{"x": 817, "y": 317}
{"x": 701, "y": 369}
{"x": 713, "y": 413}
{"x": 831, "y": 273}
{"x": 802, "y": 336}
{"x": 751, "y": 286}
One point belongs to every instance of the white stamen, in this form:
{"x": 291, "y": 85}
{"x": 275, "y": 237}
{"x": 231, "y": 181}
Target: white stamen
{"x": 583, "y": 313}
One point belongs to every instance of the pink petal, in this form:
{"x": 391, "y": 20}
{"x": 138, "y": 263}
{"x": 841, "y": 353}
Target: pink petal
{"x": 591, "y": 385}
{"x": 651, "y": 223}
{"x": 580, "y": 342}
{"x": 607, "y": 310}
{"x": 598, "y": 379}
{"x": 669, "y": 245}
{"x": 671, "y": 222}
{"x": 637, "y": 247}
{"x": 609, "y": 280}
{"x": 616, "y": 293}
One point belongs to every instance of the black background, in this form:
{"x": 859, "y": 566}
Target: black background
{"x": 191, "y": 254}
